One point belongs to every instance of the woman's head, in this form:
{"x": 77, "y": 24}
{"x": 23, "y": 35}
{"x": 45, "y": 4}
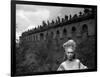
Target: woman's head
{"x": 69, "y": 47}
{"x": 70, "y": 44}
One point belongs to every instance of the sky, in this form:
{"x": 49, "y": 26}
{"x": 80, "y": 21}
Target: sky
{"x": 30, "y": 16}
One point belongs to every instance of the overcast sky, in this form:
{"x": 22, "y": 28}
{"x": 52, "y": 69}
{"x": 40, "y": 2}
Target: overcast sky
{"x": 30, "y": 16}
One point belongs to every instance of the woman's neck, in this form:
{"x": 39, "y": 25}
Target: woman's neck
{"x": 71, "y": 60}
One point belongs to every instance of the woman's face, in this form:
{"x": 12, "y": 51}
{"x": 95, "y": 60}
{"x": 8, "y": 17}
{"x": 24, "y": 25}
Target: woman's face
{"x": 69, "y": 52}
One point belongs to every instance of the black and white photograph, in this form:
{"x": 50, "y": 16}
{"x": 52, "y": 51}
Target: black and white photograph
{"x": 53, "y": 38}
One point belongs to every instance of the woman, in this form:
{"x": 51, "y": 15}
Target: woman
{"x": 70, "y": 63}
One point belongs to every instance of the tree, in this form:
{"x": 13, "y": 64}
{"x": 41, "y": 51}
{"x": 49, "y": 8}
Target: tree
{"x": 48, "y": 22}
{"x": 44, "y": 23}
{"x": 75, "y": 16}
{"x": 80, "y": 13}
{"x": 53, "y": 22}
{"x": 66, "y": 17}
{"x": 86, "y": 10}
{"x": 58, "y": 19}
{"x": 62, "y": 19}
{"x": 70, "y": 17}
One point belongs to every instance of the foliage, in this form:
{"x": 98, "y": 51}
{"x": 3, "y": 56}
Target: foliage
{"x": 46, "y": 55}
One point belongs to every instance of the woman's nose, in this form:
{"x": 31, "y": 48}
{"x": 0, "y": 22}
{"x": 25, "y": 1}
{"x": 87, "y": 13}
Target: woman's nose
{"x": 70, "y": 54}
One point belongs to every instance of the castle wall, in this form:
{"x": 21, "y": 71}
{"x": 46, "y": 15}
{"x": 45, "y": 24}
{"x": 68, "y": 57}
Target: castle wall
{"x": 73, "y": 30}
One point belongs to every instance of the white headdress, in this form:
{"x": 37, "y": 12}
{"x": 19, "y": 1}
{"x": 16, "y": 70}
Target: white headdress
{"x": 70, "y": 43}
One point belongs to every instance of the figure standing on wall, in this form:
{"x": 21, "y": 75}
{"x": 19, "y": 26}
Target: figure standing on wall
{"x": 70, "y": 62}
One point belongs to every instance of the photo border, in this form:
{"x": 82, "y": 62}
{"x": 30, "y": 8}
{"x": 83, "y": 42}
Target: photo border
{"x": 13, "y": 35}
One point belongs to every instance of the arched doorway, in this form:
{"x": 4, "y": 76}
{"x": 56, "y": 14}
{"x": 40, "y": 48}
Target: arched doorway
{"x": 41, "y": 36}
{"x": 57, "y": 34}
{"x": 51, "y": 35}
{"x": 64, "y": 32}
{"x": 84, "y": 30}
{"x": 73, "y": 31}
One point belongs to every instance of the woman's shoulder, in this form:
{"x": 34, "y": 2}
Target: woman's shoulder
{"x": 63, "y": 63}
{"x": 77, "y": 60}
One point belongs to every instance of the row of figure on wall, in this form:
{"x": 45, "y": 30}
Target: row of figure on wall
{"x": 87, "y": 12}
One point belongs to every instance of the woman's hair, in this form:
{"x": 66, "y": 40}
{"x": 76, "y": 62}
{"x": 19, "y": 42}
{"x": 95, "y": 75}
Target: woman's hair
{"x": 70, "y": 43}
